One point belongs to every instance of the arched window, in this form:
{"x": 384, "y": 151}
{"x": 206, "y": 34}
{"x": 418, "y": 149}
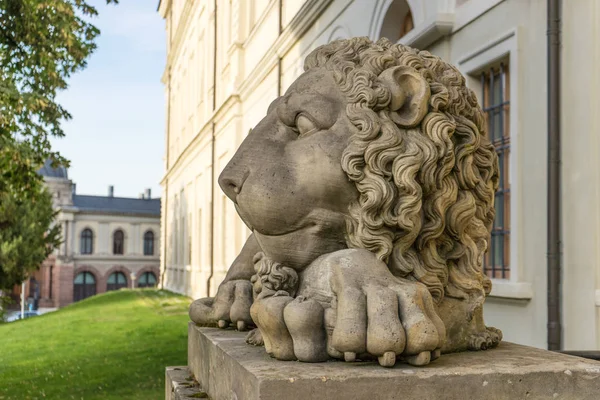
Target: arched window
{"x": 84, "y": 286}
{"x": 118, "y": 242}
{"x": 87, "y": 241}
{"x": 398, "y": 21}
{"x": 116, "y": 281}
{"x": 149, "y": 243}
{"x": 148, "y": 279}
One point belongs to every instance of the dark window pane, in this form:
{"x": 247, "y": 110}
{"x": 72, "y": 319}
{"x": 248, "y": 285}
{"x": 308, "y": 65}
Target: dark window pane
{"x": 499, "y": 206}
{"x": 87, "y": 238}
{"x": 497, "y": 90}
{"x": 497, "y": 124}
{"x": 116, "y": 280}
{"x": 498, "y": 243}
{"x": 148, "y": 279}
{"x": 118, "y": 239}
{"x": 149, "y": 243}
{"x": 84, "y": 286}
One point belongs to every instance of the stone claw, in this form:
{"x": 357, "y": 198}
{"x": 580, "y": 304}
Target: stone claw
{"x": 349, "y": 356}
{"x": 222, "y": 324}
{"x": 241, "y": 326}
{"x": 388, "y": 359}
{"x": 419, "y": 360}
{"x": 254, "y": 337}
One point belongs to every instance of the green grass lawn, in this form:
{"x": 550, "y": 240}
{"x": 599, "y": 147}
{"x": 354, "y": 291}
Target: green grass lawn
{"x": 111, "y": 346}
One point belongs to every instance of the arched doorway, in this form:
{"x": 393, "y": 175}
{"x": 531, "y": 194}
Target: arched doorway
{"x": 148, "y": 279}
{"x": 398, "y": 21}
{"x": 116, "y": 281}
{"x": 84, "y": 286}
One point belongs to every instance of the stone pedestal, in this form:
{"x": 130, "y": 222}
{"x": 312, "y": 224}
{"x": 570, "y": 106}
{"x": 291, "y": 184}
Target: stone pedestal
{"x": 227, "y": 368}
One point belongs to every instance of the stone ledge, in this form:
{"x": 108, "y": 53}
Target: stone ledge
{"x": 179, "y": 385}
{"x": 227, "y": 368}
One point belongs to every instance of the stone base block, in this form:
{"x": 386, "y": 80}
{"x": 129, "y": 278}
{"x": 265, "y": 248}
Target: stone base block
{"x": 227, "y": 368}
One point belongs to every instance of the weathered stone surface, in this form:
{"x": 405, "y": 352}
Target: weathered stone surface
{"x": 180, "y": 385}
{"x": 369, "y": 189}
{"x": 227, "y": 368}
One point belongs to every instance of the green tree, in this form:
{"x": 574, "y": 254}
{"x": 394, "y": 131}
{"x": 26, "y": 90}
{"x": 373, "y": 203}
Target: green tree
{"x": 27, "y": 233}
{"x": 42, "y": 43}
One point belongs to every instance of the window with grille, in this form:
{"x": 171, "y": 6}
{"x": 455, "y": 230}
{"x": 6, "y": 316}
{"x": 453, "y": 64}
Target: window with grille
{"x": 496, "y": 105}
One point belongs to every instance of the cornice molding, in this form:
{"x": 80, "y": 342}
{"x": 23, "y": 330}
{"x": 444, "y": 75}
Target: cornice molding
{"x": 175, "y": 46}
{"x": 163, "y": 7}
{"x": 302, "y": 21}
{"x": 430, "y": 31}
{"x": 114, "y": 259}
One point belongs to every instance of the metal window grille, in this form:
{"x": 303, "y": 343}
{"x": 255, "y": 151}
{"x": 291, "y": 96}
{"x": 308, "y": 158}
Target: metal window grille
{"x": 496, "y": 105}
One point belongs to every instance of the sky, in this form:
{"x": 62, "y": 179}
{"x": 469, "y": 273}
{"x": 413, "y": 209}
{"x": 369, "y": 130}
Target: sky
{"x": 116, "y": 136}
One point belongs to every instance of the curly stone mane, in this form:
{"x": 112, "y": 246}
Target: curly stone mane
{"x": 426, "y": 194}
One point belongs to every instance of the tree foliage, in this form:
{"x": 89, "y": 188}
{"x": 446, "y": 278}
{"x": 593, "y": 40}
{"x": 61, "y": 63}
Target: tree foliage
{"x": 42, "y": 43}
{"x": 27, "y": 232}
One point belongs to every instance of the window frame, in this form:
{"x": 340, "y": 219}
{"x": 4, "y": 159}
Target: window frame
{"x": 84, "y": 287}
{"x": 499, "y": 72}
{"x": 114, "y": 242}
{"x": 505, "y": 46}
{"x": 82, "y": 243}
{"x": 148, "y": 241}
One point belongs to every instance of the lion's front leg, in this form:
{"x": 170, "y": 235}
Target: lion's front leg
{"x": 350, "y": 306}
{"x": 379, "y": 314}
{"x": 231, "y": 305}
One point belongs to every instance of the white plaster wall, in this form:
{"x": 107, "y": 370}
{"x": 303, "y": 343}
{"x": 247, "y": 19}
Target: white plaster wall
{"x": 580, "y": 126}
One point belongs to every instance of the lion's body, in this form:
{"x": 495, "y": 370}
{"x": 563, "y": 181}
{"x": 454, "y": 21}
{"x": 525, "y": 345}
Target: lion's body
{"x": 375, "y": 163}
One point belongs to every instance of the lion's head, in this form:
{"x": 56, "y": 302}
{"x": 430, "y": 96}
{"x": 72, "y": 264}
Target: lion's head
{"x": 376, "y": 146}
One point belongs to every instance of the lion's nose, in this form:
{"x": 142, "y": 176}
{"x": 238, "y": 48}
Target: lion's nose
{"x": 231, "y": 181}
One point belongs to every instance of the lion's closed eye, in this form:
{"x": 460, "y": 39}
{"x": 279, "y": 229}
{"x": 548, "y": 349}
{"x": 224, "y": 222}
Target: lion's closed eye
{"x": 304, "y": 125}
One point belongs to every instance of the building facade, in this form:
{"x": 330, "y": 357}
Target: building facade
{"x": 108, "y": 243}
{"x": 228, "y": 59}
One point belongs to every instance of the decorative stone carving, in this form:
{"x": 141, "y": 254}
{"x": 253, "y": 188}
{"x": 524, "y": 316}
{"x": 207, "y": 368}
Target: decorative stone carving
{"x": 369, "y": 189}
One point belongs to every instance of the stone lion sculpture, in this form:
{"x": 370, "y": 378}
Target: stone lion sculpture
{"x": 369, "y": 189}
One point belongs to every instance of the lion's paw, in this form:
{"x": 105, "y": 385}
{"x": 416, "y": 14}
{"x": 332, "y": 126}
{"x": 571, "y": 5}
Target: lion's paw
{"x": 254, "y": 337}
{"x": 485, "y": 340}
{"x": 386, "y": 320}
{"x": 231, "y": 305}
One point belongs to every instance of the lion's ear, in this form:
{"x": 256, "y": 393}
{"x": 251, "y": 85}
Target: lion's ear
{"x": 410, "y": 95}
